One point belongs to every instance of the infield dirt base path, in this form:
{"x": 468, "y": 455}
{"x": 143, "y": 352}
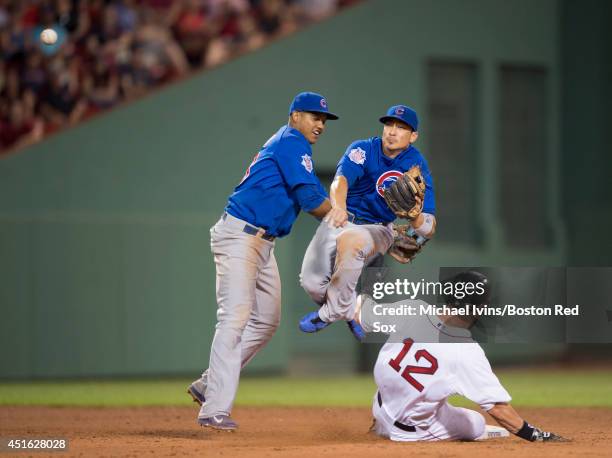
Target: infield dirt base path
{"x": 281, "y": 432}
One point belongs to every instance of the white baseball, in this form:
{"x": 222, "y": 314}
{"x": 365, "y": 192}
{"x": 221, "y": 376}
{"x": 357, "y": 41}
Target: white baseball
{"x": 48, "y": 36}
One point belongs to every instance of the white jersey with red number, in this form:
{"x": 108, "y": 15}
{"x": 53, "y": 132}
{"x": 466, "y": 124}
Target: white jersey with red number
{"x": 415, "y": 378}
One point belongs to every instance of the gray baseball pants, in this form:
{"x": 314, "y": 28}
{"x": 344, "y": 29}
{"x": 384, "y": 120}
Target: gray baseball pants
{"x": 249, "y": 307}
{"x": 333, "y": 263}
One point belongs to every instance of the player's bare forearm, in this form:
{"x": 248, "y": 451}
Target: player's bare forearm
{"x": 507, "y": 417}
{"x": 321, "y": 210}
{"x": 338, "y": 215}
{"x": 338, "y": 192}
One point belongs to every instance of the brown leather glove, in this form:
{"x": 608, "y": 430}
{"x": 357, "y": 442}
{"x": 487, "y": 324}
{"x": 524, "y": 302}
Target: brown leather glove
{"x": 406, "y": 244}
{"x": 405, "y": 197}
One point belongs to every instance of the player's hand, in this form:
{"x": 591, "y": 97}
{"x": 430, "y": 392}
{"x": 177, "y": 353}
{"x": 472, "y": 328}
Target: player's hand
{"x": 337, "y": 217}
{"x": 545, "y": 436}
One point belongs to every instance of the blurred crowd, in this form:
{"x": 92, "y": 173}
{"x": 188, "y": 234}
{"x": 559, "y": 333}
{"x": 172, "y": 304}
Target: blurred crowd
{"x": 109, "y": 51}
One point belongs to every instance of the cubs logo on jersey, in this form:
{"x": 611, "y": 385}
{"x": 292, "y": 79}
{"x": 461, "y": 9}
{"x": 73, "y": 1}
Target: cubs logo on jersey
{"x": 386, "y": 180}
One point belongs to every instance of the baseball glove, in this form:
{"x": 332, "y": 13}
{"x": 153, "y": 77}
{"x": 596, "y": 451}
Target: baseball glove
{"x": 406, "y": 243}
{"x": 405, "y": 197}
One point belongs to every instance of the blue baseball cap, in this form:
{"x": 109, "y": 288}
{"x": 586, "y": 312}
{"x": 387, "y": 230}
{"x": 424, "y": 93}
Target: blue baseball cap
{"x": 313, "y": 102}
{"x": 404, "y": 114}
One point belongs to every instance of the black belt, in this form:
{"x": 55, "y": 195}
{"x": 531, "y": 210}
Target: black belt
{"x": 397, "y": 424}
{"x": 252, "y": 230}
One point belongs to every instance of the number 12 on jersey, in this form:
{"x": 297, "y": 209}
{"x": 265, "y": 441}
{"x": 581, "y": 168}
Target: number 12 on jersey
{"x": 395, "y": 364}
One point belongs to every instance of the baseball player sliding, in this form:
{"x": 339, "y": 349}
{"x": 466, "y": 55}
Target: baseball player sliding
{"x": 279, "y": 183}
{"x": 377, "y": 180}
{"x": 428, "y": 359}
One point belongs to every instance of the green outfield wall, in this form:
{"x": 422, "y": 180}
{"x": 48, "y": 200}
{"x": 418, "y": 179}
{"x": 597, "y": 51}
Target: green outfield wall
{"x": 586, "y": 47}
{"x": 104, "y": 245}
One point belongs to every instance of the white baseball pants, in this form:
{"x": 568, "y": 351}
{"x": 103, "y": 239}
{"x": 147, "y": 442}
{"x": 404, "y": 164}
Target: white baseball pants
{"x": 449, "y": 423}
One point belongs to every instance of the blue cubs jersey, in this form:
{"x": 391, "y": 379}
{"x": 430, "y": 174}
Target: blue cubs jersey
{"x": 369, "y": 172}
{"x": 266, "y": 195}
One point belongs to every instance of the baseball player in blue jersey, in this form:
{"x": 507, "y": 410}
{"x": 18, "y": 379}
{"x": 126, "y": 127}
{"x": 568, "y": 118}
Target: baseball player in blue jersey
{"x": 279, "y": 183}
{"x": 359, "y": 225}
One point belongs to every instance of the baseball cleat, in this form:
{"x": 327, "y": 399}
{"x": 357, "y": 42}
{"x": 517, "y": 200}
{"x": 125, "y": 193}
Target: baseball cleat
{"x": 220, "y": 422}
{"x": 312, "y": 323}
{"x": 196, "y": 391}
{"x": 357, "y": 330}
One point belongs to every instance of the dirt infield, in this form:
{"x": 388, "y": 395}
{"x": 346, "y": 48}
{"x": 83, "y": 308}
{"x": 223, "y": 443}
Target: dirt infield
{"x": 276, "y": 432}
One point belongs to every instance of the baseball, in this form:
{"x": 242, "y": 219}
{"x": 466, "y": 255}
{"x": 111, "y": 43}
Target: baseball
{"x": 48, "y": 36}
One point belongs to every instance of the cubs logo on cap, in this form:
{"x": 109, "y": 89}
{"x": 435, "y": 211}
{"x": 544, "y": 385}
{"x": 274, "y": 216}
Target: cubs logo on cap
{"x": 402, "y": 113}
{"x": 312, "y": 102}
{"x": 386, "y": 180}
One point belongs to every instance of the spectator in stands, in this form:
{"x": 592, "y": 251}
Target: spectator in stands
{"x": 19, "y": 131}
{"x": 192, "y": 30}
{"x": 270, "y": 16}
{"x": 34, "y": 75}
{"x": 102, "y": 87}
{"x": 63, "y": 103}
